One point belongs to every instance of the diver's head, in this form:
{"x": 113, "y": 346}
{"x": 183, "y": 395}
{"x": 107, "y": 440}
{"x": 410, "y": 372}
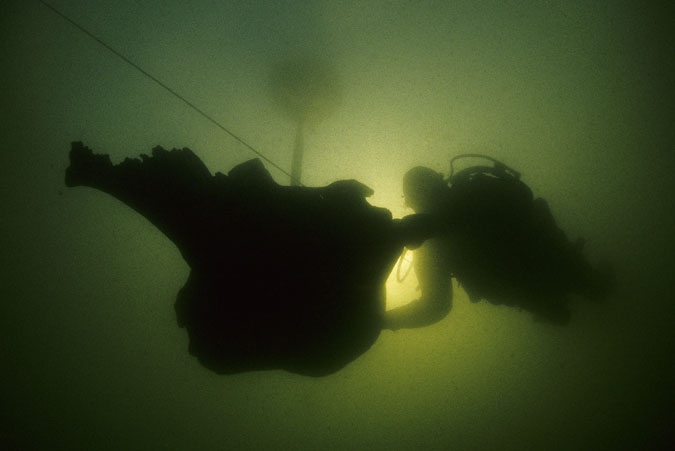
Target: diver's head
{"x": 423, "y": 188}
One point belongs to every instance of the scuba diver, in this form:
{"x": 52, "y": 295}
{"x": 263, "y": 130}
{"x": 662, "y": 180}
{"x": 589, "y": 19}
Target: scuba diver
{"x": 281, "y": 277}
{"x": 498, "y": 241}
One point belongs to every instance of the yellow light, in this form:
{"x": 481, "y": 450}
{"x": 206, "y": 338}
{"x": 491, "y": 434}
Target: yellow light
{"x": 401, "y": 292}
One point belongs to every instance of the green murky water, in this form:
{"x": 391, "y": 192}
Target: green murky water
{"x": 576, "y": 95}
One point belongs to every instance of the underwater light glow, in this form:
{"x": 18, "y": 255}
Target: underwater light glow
{"x": 401, "y": 292}
{"x": 575, "y": 95}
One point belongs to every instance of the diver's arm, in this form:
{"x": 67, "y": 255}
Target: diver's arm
{"x": 433, "y": 275}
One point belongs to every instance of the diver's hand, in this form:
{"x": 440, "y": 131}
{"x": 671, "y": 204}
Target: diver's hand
{"x": 417, "y": 313}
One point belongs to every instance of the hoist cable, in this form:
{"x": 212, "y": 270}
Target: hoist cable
{"x": 163, "y": 85}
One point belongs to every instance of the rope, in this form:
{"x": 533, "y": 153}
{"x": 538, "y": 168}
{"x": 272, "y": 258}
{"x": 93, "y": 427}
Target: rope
{"x": 163, "y": 85}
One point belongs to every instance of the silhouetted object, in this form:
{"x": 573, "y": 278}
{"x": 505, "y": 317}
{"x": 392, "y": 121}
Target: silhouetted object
{"x": 307, "y": 90}
{"x": 281, "y": 277}
{"x": 500, "y": 243}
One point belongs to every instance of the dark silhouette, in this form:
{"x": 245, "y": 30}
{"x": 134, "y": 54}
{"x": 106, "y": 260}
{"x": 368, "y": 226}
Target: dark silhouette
{"x": 500, "y": 243}
{"x": 292, "y": 277}
{"x": 284, "y": 277}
